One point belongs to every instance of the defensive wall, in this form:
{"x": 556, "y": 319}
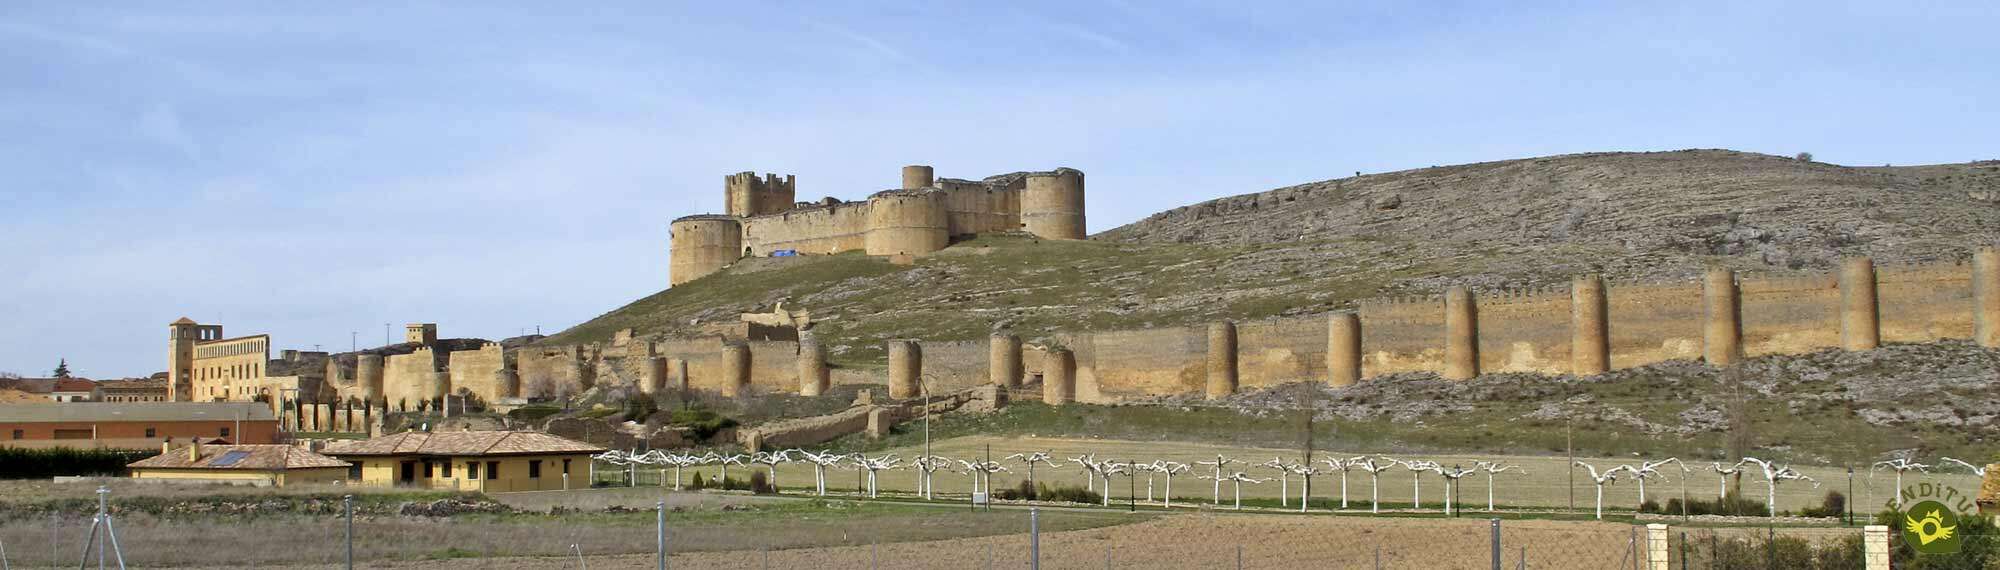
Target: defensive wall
{"x": 922, "y": 215}
{"x": 1588, "y": 326}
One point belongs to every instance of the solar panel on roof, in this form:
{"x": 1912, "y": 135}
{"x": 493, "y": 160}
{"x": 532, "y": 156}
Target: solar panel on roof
{"x": 230, "y": 458}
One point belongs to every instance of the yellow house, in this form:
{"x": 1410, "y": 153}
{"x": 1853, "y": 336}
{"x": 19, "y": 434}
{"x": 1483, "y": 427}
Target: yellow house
{"x": 491, "y": 461}
{"x": 260, "y": 465}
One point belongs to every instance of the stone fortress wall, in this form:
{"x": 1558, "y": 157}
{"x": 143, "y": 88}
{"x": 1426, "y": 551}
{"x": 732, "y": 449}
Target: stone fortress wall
{"x": 1587, "y": 327}
{"x": 924, "y": 214}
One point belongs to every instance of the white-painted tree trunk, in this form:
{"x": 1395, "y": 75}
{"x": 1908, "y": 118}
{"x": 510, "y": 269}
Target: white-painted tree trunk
{"x": 1343, "y": 489}
{"x": 1284, "y": 489}
{"x": 1600, "y": 501}
{"x": 1375, "y": 488}
{"x": 1489, "y": 492}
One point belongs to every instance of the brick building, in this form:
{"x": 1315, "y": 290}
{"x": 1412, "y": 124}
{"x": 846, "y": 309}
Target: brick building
{"x": 134, "y": 425}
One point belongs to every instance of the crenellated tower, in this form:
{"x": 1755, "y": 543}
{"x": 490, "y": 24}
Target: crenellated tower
{"x": 747, "y": 195}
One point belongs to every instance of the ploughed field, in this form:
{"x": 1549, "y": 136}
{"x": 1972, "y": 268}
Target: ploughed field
{"x": 1196, "y": 541}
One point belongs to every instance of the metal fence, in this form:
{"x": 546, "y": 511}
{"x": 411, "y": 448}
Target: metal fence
{"x": 1025, "y": 538}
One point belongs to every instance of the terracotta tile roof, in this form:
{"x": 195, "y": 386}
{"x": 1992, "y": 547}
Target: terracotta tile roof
{"x": 462, "y": 443}
{"x": 244, "y": 457}
{"x": 74, "y": 385}
{"x": 29, "y": 385}
{"x": 184, "y": 321}
{"x": 137, "y": 412}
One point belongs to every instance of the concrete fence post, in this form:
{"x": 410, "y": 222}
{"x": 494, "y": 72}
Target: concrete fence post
{"x": 1035, "y": 538}
{"x": 1875, "y": 547}
{"x": 1986, "y": 297}
{"x": 1590, "y": 330}
{"x": 1656, "y": 547}
{"x": 1496, "y": 543}
{"x": 1722, "y": 321}
{"x": 347, "y": 510}
{"x": 1343, "y": 349}
{"x": 1461, "y": 335}
{"x": 1860, "y": 317}
{"x": 1221, "y": 360}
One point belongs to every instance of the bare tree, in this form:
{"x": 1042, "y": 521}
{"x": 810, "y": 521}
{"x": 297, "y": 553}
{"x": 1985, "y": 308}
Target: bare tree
{"x": 1375, "y": 470}
{"x": 1601, "y": 479}
{"x": 1899, "y": 465}
{"x": 1495, "y": 468}
{"x": 1975, "y": 469}
{"x": 1774, "y": 473}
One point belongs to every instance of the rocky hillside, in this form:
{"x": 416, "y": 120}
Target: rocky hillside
{"x": 1319, "y": 246}
{"x": 1776, "y": 211}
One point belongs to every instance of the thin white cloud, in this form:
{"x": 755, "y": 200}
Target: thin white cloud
{"x": 863, "y": 40}
{"x": 162, "y": 124}
{"x": 1087, "y": 35}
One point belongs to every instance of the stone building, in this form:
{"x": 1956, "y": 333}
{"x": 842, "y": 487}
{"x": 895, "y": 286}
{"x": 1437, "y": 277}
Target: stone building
{"x": 271, "y": 465}
{"x": 488, "y": 461}
{"x": 203, "y": 366}
{"x": 922, "y": 215}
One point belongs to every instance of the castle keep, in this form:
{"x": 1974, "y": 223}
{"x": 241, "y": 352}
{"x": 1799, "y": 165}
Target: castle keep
{"x": 923, "y": 215}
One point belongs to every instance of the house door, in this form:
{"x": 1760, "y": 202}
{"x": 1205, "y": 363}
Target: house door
{"x": 409, "y": 475}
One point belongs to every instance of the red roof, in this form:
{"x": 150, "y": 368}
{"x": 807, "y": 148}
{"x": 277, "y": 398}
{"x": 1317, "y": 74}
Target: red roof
{"x": 74, "y": 385}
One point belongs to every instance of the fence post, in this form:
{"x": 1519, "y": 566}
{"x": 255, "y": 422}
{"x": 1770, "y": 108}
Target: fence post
{"x": 347, "y": 508}
{"x": 1771, "y": 546}
{"x": 660, "y": 536}
{"x": 1496, "y": 543}
{"x": 1656, "y": 547}
{"x": 1684, "y": 547}
{"x": 1034, "y": 538}
{"x": 1632, "y": 544}
{"x": 1875, "y": 547}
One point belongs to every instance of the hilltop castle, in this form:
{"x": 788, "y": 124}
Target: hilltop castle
{"x": 922, "y": 216}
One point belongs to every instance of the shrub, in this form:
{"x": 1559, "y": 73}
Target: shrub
{"x": 1067, "y": 494}
{"x": 20, "y": 463}
{"x": 704, "y": 422}
{"x": 1023, "y": 492}
{"x": 1834, "y": 505}
{"x": 760, "y": 484}
{"x": 698, "y": 483}
{"x": 1733, "y": 506}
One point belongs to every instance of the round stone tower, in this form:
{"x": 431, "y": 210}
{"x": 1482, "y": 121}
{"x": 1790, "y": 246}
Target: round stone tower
{"x": 907, "y": 222}
{"x": 701, "y": 245}
{"x": 1052, "y": 204}
{"x": 918, "y": 176}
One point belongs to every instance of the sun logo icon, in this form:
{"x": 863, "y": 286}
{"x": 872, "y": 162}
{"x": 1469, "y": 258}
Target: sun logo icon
{"x": 1931, "y": 528}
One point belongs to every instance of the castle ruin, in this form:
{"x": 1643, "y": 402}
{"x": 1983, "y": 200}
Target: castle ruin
{"x": 923, "y": 215}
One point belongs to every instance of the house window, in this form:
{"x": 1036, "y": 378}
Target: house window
{"x": 535, "y": 469}
{"x": 150, "y": 432}
{"x": 225, "y": 431}
{"x": 447, "y": 468}
{"x": 17, "y": 434}
{"x": 492, "y": 470}
{"x": 430, "y": 470}
{"x": 472, "y": 469}
{"x": 354, "y": 471}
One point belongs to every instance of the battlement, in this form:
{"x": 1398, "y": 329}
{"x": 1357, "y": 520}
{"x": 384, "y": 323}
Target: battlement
{"x": 748, "y": 195}
{"x": 924, "y": 214}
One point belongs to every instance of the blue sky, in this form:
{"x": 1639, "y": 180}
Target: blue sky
{"x": 314, "y": 170}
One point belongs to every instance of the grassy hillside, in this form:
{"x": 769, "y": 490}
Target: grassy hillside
{"x": 1319, "y": 246}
